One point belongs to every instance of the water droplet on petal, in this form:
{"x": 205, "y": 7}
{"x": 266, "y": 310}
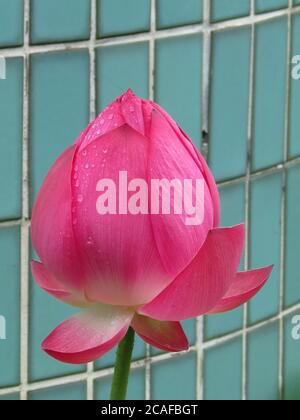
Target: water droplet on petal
{"x": 77, "y": 183}
{"x": 131, "y": 108}
{"x": 86, "y": 166}
{"x": 111, "y": 116}
{"x": 84, "y": 153}
{"x": 102, "y": 121}
{"x": 80, "y": 198}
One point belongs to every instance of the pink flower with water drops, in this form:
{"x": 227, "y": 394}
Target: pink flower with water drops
{"x": 104, "y": 250}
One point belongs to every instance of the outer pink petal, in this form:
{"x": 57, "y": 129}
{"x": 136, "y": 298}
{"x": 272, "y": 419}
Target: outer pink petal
{"x": 168, "y": 335}
{"x": 245, "y": 286}
{"x": 177, "y": 242}
{"x": 199, "y": 160}
{"x": 119, "y": 249}
{"x": 51, "y": 228}
{"x": 50, "y": 285}
{"x": 87, "y": 336}
{"x": 203, "y": 283}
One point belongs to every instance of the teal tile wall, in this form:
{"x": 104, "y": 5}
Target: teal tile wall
{"x": 176, "y": 13}
{"x": 263, "y": 363}
{"x": 269, "y": 5}
{"x": 174, "y": 379}
{"x": 59, "y": 20}
{"x": 59, "y": 107}
{"x": 228, "y": 9}
{"x": 265, "y": 242}
{"x": 120, "y": 68}
{"x": 230, "y": 91}
{"x": 220, "y": 364}
{"x": 10, "y": 397}
{"x": 233, "y": 212}
{"x": 10, "y": 306}
{"x": 270, "y": 93}
{"x": 292, "y": 273}
{"x": 11, "y": 123}
{"x": 116, "y": 17}
{"x": 64, "y": 393}
{"x": 178, "y": 81}
{"x": 294, "y": 149}
{"x": 136, "y": 386}
{"x": 291, "y": 377}
{"x": 11, "y": 23}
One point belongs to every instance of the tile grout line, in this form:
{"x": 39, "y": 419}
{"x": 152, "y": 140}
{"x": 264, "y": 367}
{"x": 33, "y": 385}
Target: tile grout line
{"x": 146, "y": 36}
{"x": 92, "y": 55}
{"x": 283, "y": 206}
{"x": 247, "y": 199}
{"x": 75, "y": 378}
{"x": 152, "y": 49}
{"x": 24, "y": 307}
{"x": 205, "y": 93}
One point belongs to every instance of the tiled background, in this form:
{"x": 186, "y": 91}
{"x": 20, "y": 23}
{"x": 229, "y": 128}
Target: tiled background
{"x": 222, "y": 69}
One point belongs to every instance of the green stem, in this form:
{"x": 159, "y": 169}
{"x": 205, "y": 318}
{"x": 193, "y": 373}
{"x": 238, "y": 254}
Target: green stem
{"x": 122, "y": 367}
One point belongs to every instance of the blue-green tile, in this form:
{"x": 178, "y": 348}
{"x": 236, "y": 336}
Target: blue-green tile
{"x": 59, "y": 20}
{"x": 136, "y": 386}
{"x": 189, "y": 327}
{"x": 116, "y": 17}
{"x": 11, "y": 124}
{"x": 174, "y": 379}
{"x": 11, "y": 22}
{"x": 223, "y": 372}
{"x": 268, "y": 5}
{"x": 263, "y": 363}
{"x": 295, "y": 93}
{"x": 296, "y": 2}
{"x": 59, "y": 107}
{"x": 10, "y": 306}
{"x": 45, "y": 314}
{"x": 265, "y": 242}
{"x": 229, "y": 103}
{"x": 121, "y": 68}
{"x": 73, "y": 392}
{"x": 177, "y": 13}
{"x": 270, "y": 93}
{"x": 179, "y": 80}
{"x": 10, "y": 397}
{"x": 292, "y": 269}
{"x": 233, "y": 213}
{"x": 228, "y": 9}
{"x": 291, "y": 358}
{"x": 108, "y": 360}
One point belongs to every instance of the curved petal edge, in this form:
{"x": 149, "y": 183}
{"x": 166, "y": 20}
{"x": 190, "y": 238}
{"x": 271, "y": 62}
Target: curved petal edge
{"x": 245, "y": 286}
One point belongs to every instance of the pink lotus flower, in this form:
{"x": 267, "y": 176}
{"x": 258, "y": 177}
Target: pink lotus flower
{"x": 147, "y": 271}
